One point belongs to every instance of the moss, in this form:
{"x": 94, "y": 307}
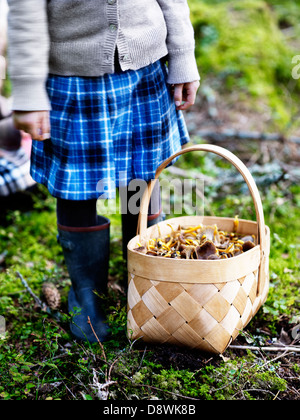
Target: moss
{"x": 269, "y": 381}
{"x": 30, "y": 240}
{"x": 241, "y": 45}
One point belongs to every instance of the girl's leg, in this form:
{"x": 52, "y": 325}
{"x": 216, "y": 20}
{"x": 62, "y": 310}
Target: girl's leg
{"x": 84, "y": 238}
{"x": 77, "y": 213}
{"x": 130, "y": 221}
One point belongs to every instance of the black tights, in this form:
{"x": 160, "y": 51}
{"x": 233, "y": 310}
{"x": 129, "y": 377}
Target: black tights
{"x": 76, "y": 213}
{"x": 84, "y": 213}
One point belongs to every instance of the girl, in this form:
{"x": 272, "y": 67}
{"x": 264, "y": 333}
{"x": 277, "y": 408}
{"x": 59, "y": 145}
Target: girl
{"x": 98, "y": 68}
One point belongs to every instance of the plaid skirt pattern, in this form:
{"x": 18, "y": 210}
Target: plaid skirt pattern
{"x": 14, "y": 172}
{"x": 107, "y": 131}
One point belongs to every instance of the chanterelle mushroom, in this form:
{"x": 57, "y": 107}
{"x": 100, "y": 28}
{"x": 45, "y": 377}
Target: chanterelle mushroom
{"x": 198, "y": 242}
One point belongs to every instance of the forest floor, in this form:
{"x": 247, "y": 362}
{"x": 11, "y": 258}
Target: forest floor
{"x": 40, "y": 360}
{"x": 246, "y": 93}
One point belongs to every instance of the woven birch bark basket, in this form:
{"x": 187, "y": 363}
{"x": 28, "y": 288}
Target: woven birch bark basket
{"x": 199, "y": 304}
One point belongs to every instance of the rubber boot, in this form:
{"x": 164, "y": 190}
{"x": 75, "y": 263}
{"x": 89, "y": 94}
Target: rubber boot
{"x": 86, "y": 252}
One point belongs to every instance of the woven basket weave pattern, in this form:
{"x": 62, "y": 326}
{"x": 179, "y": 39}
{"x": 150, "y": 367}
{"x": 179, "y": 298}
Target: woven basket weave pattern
{"x": 198, "y": 304}
{"x": 206, "y": 317}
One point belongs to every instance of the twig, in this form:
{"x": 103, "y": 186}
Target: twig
{"x": 109, "y": 382}
{"x": 102, "y": 389}
{"x": 286, "y": 353}
{"x": 292, "y": 349}
{"x": 295, "y": 391}
{"x": 111, "y": 368}
{"x": 140, "y": 365}
{"x": 254, "y": 390}
{"x": 245, "y": 135}
{"x": 159, "y": 389}
{"x": 44, "y": 307}
{"x": 100, "y": 344}
{"x": 37, "y": 300}
{"x": 276, "y": 395}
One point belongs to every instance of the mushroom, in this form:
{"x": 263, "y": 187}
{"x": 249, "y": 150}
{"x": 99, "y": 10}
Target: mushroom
{"x": 214, "y": 257}
{"x": 247, "y": 238}
{"x": 153, "y": 253}
{"x": 248, "y": 245}
{"x": 210, "y": 233}
{"x": 186, "y": 251}
{"x": 206, "y": 250}
{"x": 141, "y": 249}
{"x": 198, "y": 242}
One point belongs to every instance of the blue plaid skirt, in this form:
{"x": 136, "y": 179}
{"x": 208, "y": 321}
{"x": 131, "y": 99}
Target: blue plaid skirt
{"x": 107, "y": 131}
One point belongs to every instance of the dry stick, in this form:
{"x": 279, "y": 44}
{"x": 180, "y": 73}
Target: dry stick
{"x": 29, "y": 290}
{"x": 102, "y": 387}
{"x": 108, "y": 377}
{"x": 245, "y": 135}
{"x": 285, "y": 353}
{"x": 292, "y": 349}
{"x": 253, "y": 390}
{"x": 100, "y": 344}
{"x": 44, "y": 307}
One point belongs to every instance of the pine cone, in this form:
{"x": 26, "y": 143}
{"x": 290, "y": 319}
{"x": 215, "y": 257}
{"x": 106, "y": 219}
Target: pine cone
{"x": 52, "y": 295}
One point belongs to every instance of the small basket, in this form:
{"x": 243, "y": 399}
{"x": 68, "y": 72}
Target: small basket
{"x": 200, "y": 304}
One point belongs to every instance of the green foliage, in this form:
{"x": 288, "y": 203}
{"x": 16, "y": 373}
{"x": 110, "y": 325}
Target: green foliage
{"x": 228, "y": 380}
{"x": 39, "y": 360}
{"x": 240, "y": 45}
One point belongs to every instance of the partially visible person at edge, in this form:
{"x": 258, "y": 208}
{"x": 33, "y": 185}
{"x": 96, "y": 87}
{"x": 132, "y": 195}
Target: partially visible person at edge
{"x": 96, "y": 95}
{"x": 14, "y": 144}
{"x": 14, "y": 160}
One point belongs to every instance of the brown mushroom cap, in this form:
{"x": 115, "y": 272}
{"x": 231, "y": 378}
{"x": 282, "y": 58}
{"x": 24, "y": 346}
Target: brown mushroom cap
{"x": 248, "y": 245}
{"x": 198, "y": 242}
{"x": 206, "y": 250}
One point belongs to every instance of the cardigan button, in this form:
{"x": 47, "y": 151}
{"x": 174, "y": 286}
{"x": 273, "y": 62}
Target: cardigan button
{"x": 125, "y": 57}
{"x": 111, "y": 2}
{"x": 113, "y": 27}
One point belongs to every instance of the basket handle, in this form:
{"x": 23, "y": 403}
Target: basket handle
{"x": 235, "y": 161}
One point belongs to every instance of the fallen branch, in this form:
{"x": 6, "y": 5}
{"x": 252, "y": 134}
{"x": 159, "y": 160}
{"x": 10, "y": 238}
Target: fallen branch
{"x": 102, "y": 389}
{"x": 44, "y": 307}
{"x": 37, "y": 300}
{"x": 219, "y": 136}
{"x": 292, "y": 349}
{"x": 255, "y": 390}
{"x": 97, "y": 338}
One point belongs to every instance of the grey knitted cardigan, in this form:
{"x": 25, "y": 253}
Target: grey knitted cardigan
{"x": 80, "y": 37}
